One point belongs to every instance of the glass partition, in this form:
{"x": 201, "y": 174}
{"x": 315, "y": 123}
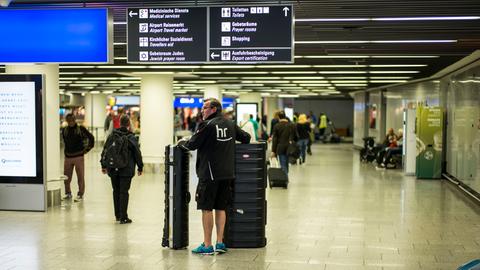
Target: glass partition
{"x": 463, "y": 129}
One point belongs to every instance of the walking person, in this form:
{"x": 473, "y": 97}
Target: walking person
{"x": 283, "y": 135}
{"x": 78, "y": 141}
{"x": 214, "y": 141}
{"x": 303, "y": 131}
{"x": 119, "y": 156}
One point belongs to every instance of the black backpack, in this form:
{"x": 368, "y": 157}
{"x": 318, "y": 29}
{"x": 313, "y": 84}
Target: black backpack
{"x": 115, "y": 155}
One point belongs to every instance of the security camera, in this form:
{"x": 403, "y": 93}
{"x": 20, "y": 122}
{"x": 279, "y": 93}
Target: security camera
{"x": 5, "y": 3}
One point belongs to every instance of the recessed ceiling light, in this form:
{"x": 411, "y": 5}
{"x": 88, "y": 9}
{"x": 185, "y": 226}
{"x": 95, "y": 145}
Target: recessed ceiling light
{"x": 288, "y": 96}
{"x": 342, "y": 72}
{"x": 294, "y": 72}
{"x": 246, "y": 72}
{"x": 393, "y": 72}
{"x": 432, "y": 18}
{"x": 225, "y": 67}
{"x": 283, "y": 66}
{"x": 413, "y": 65}
{"x": 339, "y": 66}
{"x": 375, "y": 41}
{"x": 388, "y": 81}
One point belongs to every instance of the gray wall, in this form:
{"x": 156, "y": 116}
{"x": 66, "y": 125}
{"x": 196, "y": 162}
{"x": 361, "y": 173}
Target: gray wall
{"x": 340, "y": 111}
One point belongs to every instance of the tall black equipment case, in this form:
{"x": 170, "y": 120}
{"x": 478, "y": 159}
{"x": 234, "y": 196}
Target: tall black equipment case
{"x": 247, "y": 216}
{"x": 177, "y": 197}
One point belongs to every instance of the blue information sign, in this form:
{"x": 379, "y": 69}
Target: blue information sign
{"x": 55, "y": 36}
{"x": 195, "y": 102}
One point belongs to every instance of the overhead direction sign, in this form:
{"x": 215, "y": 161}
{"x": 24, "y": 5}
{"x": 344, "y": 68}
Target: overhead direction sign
{"x": 233, "y": 34}
{"x": 251, "y": 34}
{"x": 167, "y": 35}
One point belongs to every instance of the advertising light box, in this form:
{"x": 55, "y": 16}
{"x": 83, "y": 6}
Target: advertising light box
{"x": 243, "y": 109}
{"x": 56, "y": 36}
{"x": 21, "y": 131}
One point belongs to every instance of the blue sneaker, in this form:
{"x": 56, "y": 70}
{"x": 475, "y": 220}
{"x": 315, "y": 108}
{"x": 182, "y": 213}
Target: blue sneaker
{"x": 203, "y": 250}
{"x": 220, "y": 248}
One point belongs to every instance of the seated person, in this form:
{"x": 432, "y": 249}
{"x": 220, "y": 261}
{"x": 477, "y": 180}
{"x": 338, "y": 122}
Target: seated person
{"x": 390, "y": 141}
{"x": 387, "y": 159}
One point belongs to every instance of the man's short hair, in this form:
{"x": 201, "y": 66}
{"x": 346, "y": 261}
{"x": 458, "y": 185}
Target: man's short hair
{"x": 124, "y": 121}
{"x": 215, "y": 103}
{"x": 70, "y": 116}
{"x": 282, "y": 115}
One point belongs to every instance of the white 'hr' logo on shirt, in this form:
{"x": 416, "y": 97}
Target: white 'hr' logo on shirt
{"x": 222, "y": 134}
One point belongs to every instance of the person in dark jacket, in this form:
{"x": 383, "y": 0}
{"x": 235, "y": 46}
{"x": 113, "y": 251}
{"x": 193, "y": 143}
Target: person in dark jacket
{"x": 122, "y": 177}
{"x": 214, "y": 141}
{"x": 283, "y": 134}
{"x": 78, "y": 141}
{"x": 303, "y": 131}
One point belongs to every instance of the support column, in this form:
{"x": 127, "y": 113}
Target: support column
{"x": 271, "y": 106}
{"x": 213, "y": 91}
{"x": 252, "y": 98}
{"x": 156, "y": 117}
{"x": 95, "y": 113}
{"x": 52, "y": 125}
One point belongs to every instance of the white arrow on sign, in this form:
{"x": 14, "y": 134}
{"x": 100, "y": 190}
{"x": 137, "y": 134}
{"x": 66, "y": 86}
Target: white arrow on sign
{"x": 131, "y": 13}
{"x": 286, "y": 10}
{"x": 213, "y": 55}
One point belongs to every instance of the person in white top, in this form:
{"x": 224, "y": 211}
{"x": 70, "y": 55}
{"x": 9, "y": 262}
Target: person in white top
{"x": 247, "y": 126}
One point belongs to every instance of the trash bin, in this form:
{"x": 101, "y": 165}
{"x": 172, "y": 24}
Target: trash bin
{"x": 54, "y": 190}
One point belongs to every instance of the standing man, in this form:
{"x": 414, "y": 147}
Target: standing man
{"x": 78, "y": 141}
{"x": 119, "y": 156}
{"x": 215, "y": 141}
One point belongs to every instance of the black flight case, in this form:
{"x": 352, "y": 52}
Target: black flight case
{"x": 177, "y": 197}
{"x": 247, "y": 217}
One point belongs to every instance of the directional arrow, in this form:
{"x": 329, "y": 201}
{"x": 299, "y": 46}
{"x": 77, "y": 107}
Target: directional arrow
{"x": 213, "y": 55}
{"x": 131, "y": 13}
{"x": 286, "y": 10}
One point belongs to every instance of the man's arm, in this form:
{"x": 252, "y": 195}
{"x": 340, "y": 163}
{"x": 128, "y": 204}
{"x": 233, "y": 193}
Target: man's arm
{"x": 198, "y": 137}
{"x": 241, "y": 135}
{"x": 274, "y": 139}
{"x": 89, "y": 136}
{"x": 137, "y": 155}
{"x": 102, "y": 161}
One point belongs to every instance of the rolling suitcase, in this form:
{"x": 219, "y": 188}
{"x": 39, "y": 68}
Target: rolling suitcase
{"x": 177, "y": 197}
{"x": 276, "y": 176}
{"x": 247, "y": 214}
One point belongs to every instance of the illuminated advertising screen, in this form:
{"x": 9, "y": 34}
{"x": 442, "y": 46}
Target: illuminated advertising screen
{"x": 56, "y": 36}
{"x": 243, "y": 109}
{"x": 21, "y": 136}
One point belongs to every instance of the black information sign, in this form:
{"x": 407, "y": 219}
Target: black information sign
{"x": 251, "y": 34}
{"x": 260, "y": 34}
{"x": 167, "y": 35}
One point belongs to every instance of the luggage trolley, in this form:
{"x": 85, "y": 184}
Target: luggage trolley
{"x": 177, "y": 197}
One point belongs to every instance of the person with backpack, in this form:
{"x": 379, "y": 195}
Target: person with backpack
{"x": 119, "y": 156}
{"x": 78, "y": 141}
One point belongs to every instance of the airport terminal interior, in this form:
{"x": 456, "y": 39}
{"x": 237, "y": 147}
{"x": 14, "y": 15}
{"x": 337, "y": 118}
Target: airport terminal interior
{"x": 390, "y": 91}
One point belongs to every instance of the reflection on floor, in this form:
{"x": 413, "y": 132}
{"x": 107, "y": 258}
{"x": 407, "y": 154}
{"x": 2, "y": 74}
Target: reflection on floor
{"x": 336, "y": 214}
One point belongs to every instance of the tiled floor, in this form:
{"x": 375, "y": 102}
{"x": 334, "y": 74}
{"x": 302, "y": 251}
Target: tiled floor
{"x": 336, "y": 214}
